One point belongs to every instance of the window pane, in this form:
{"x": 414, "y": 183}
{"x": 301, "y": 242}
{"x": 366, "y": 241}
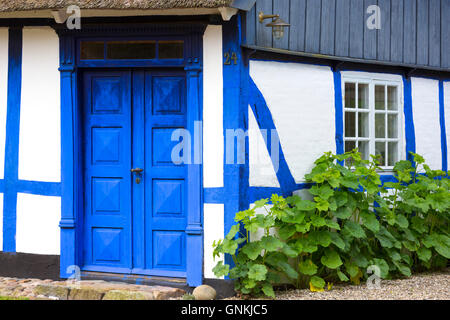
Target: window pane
{"x": 380, "y": 131}
{"x": 379, "y": 98}
{"x": 393, "y": 153}
{"x": 350, "y": 95}
{"x": 350, "y": 120}
{"x": 363, "y": 147}
{"x": 363, "y": 96}
{"x": 392, "y": 98}
{"x": 92, "y": 50}
{"x": 380, "y": 149}
{"x": 363, "y": 125}
{"x": 131, "y": 50}
{"x": 392, "y": 126}
{"x": 170, "y": 49}
{"x": 349, "y": 146}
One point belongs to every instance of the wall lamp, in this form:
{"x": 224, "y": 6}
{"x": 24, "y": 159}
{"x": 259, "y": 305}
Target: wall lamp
{"x": 277, "y": 24}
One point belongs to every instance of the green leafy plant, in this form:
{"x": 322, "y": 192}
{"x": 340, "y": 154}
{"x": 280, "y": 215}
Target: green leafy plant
{"x": 351, "y": 221}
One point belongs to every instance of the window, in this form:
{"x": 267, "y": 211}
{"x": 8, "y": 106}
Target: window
{"x": 372, "y": 118}
{"x": 132, "y": 50}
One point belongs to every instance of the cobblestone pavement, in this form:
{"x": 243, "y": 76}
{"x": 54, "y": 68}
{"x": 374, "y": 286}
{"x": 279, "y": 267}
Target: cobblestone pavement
{"x": 83, "y": 290}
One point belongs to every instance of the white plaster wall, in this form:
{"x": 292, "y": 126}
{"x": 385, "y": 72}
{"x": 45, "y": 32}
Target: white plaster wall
{"x": 262, "y": 172}
{"x": 3, "y": 94}
{"x": 39, "y": 149}
{"x": 213, "y": 140}
{"x": 38, "y": 224}
{"x": 447, "y": 118}
{"x": 425, "y": 103}
{"x": 301, "y": 100}
{"x": 213, "y": 220}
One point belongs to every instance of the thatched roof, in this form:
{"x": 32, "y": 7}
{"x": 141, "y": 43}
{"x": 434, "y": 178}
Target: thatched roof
{"x": 25, "y": 5}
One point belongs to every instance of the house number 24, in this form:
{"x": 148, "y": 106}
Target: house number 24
{"x": 229, "y": 57}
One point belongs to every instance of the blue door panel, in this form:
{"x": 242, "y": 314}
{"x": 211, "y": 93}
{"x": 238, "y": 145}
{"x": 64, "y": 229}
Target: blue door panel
{"x": 107, "y": 182}
{"x": 165, "y": 182}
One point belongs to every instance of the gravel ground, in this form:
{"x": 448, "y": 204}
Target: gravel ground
{"x": 425, "y": 286}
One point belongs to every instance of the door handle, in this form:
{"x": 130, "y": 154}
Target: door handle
{"x": 138, "y": 173}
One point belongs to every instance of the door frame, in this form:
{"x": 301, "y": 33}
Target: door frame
{"x": 71, "y": 223}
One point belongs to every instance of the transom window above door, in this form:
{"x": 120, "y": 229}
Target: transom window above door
{"x": 132, "y": 50}
{"x": 373, "y": 118}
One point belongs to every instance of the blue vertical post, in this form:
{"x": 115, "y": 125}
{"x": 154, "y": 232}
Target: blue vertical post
{"x": 409, "y": 121}
{"x": 339, "y": 116}
{"x": 444, "y": 145}
{"x": 12, "y": 139}
{"x": 235, "y": 106}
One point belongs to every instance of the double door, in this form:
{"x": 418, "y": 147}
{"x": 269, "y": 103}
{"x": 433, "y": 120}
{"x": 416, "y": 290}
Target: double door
{"x": 134, "y": 192}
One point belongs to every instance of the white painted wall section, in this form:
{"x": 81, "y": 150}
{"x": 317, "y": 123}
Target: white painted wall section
{"x": 213, "y": 231}
{"x": 425, "y": 104}
{"x": 3, "y": 95}
{"x": 447, "y": 118}
{"x": 262, "y": 172}
{"x": 39, "y": 149}
{"x": 301, "y": 100}
{"x": 213, "y": 140}
{"x": 38, "y": 224}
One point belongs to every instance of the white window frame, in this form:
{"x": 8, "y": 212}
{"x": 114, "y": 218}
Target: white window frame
{"x": 373, "y": 79}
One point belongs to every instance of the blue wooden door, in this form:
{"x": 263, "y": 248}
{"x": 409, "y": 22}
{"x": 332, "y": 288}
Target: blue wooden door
{"x": 107, "y": 179}
{"x": 134, "y": 221}
{"x": 160, "y": 200}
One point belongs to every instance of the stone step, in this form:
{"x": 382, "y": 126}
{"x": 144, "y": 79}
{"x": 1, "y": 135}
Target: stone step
{"x": 86, "y": 290}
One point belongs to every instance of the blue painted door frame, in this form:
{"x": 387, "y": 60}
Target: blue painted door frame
{"x": 71, "y": 223}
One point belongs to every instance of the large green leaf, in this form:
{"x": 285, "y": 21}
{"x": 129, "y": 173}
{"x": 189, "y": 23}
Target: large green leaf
{"x": 305, "y": 205}
{"x": 424, "y": 254}
{"x": 401, "y": 221}
{"x": 270, "y": 243}
{"x": 287, "y": 231}
{"x": 331, "y": 259}
{"x": 252, "y": 250}
{"x": 337, "y": 240}
{"x": 268, "y": 290}
{"x": 384, "y": 267}
{"x": 321, "y": 238}
{"x": 221, "y": 270}
{"x": 307, "y": 267}
{"x": 354, "y": 229}
{"x": 318, "y": 221}
{"x": 352, "y": 269}
{"x": 229, "y": 246}
{"x": 343, "y": 213}
{"x": 370, "y": 221}
{"x": 342, "y": 276}
{"x": 332, "y": 224}
{"x": 317, "y": 282}
{"x": 306, "y": 245}
{"x": 233, "y": 232}
{"x": 288, "y": 270}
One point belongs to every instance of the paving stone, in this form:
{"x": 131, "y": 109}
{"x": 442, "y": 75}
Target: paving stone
{"x": 85, "y": 294}
{"x": 128, "y": 295}
{"x": 47, "y": 290}
{"x": 165, "y": 293}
